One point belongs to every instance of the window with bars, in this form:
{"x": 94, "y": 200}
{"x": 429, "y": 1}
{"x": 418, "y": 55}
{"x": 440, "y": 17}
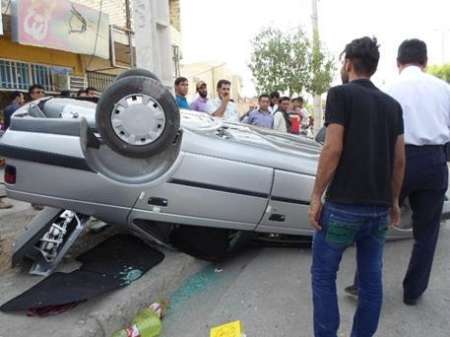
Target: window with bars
{"x": 15, "y": 75}
{"x": 99, "y": 81}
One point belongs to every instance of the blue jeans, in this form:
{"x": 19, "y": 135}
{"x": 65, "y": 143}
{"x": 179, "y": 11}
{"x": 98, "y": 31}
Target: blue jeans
{"x": 342, "y": 226}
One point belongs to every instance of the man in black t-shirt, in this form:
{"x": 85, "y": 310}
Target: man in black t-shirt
{"x": 362, "y": 165}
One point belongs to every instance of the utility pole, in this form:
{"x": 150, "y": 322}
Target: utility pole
{"x": 152, "y": 38}
{"x": 129, "y": 29}
{"x": 318, "y": 116}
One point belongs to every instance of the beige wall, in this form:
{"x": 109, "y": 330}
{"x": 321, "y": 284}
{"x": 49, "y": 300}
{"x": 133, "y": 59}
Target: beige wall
{"x": 175, "y": 14}
{"x": 211, "y": 73}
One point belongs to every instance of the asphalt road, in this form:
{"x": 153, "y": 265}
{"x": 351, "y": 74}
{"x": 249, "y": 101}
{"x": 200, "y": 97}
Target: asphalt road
{"x": 268, "y": 289}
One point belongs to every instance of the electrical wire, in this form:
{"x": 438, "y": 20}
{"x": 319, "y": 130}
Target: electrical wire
{"x": 7, "y": 7}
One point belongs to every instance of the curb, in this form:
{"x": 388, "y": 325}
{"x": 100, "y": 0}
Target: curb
{"x": 160, "y": 282}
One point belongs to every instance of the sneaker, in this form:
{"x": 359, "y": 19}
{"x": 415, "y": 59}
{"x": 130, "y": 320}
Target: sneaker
{"x": 410, "y": 301}
{"x": 352, "y": 291}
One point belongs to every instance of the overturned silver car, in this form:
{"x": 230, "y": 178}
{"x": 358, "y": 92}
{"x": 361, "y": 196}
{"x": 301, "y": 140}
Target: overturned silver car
{"x": 134, "y": 160}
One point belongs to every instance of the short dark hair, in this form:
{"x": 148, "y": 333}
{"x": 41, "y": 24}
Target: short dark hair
{"x": 180, "y": 80}
{"x": 413, "y": 51}
{"x": 221, "y": 83}
{"x": 263, "y": 96}
{"x": 275, "y": 94}
{"x": 34, "y": 87}
{"x": 81, "y": 91}
{"x": 90, "y": 89}
{"x": 15, "y": 94}
{"x": 65, "y": 93}
{"x": 284, "y": 98}
{"x": 364, "y": 54}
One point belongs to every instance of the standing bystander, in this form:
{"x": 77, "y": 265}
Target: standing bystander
{"x": 261, "y": 116}
{"x": 274, "y": 101}
{"x": 222, "y": 106}
{"x": 91, "y": 92}
{"x": 17, "y": 101}
{"x": 364, "y": 126}
{"x": 81, "y": 93}
{"x": 36, "y": 91}
{"x": 181, "y": 91}
{"x": 201, "y": 103}
{"x": 281, "y": 120}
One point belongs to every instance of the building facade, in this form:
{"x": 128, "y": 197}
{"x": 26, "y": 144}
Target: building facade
{"x": 57, "y": 69}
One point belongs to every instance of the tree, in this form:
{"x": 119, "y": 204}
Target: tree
{"x": 322, "y": 71}
{"x": 287, "y": 62}
{"x": 442, "y": 71}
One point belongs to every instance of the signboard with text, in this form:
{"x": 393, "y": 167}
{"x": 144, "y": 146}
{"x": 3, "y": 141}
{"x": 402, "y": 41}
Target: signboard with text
{"x": 62, "y": 25}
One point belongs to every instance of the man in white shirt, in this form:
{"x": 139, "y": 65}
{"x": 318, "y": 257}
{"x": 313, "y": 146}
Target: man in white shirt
{"x": 426, "y": 112}
{"x": 425, "y": 101}
{"x": 222, "y": 106}
{"x": 274, "y": 101}
{"x": 281, "y": 117}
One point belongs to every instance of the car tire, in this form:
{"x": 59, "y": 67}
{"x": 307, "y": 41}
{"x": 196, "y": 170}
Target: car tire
{"x": 137, "y": 72}
{"x": 137, "y": 117}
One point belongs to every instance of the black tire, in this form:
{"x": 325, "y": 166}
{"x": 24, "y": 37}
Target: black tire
{"x": 137, "y": 85}
{"x": 137, "y": 72}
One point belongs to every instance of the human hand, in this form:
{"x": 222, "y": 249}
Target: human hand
{"x": 226, "y": 97}
{"x": 395, "y": 214}
{"x": 314, "y": 212}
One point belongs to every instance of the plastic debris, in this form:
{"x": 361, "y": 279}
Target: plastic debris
{"x": 97, "y": 226}
{"x": 147, "y": 323}
{"x": 232, "y": 329}
{"x": 218, "y": 270}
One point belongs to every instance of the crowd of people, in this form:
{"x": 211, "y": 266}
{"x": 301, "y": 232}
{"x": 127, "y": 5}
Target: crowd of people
{"x": 35, "y": 92}
{"x": 272, "y": 111}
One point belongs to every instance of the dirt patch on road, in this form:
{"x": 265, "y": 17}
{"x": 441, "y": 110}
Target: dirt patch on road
{"x": 12, "y": 223}
{"x": 5, "y": 254}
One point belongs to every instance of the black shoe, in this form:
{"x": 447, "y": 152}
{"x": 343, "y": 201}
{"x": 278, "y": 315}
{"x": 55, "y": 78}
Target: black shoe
{"x": 352, "y": 291}
{"x": 410, "y": 301}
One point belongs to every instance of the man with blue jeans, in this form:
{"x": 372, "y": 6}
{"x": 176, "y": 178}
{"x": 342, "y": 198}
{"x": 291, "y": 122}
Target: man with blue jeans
{"x": 361, "y": 167}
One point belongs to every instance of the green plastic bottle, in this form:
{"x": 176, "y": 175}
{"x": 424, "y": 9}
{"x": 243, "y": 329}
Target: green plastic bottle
{"x": 147, "y": 323}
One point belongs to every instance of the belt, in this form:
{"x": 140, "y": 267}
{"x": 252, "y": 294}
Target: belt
{"x": 425, "y": 147}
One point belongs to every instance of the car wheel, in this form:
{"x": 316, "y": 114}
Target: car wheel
{"x": 137, "y": 117}
{"x": 211, "y": 244}
{"x": 137, "y": 72}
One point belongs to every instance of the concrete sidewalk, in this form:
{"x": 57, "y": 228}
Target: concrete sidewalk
{"x": 96, "y": 318}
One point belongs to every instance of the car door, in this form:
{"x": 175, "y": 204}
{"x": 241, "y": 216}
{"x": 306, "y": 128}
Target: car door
{"x": 287, "y": 210}
{"x": 210, "y": 191}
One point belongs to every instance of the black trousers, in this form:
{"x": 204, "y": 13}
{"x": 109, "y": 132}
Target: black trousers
{"x": 425, "y": 184}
